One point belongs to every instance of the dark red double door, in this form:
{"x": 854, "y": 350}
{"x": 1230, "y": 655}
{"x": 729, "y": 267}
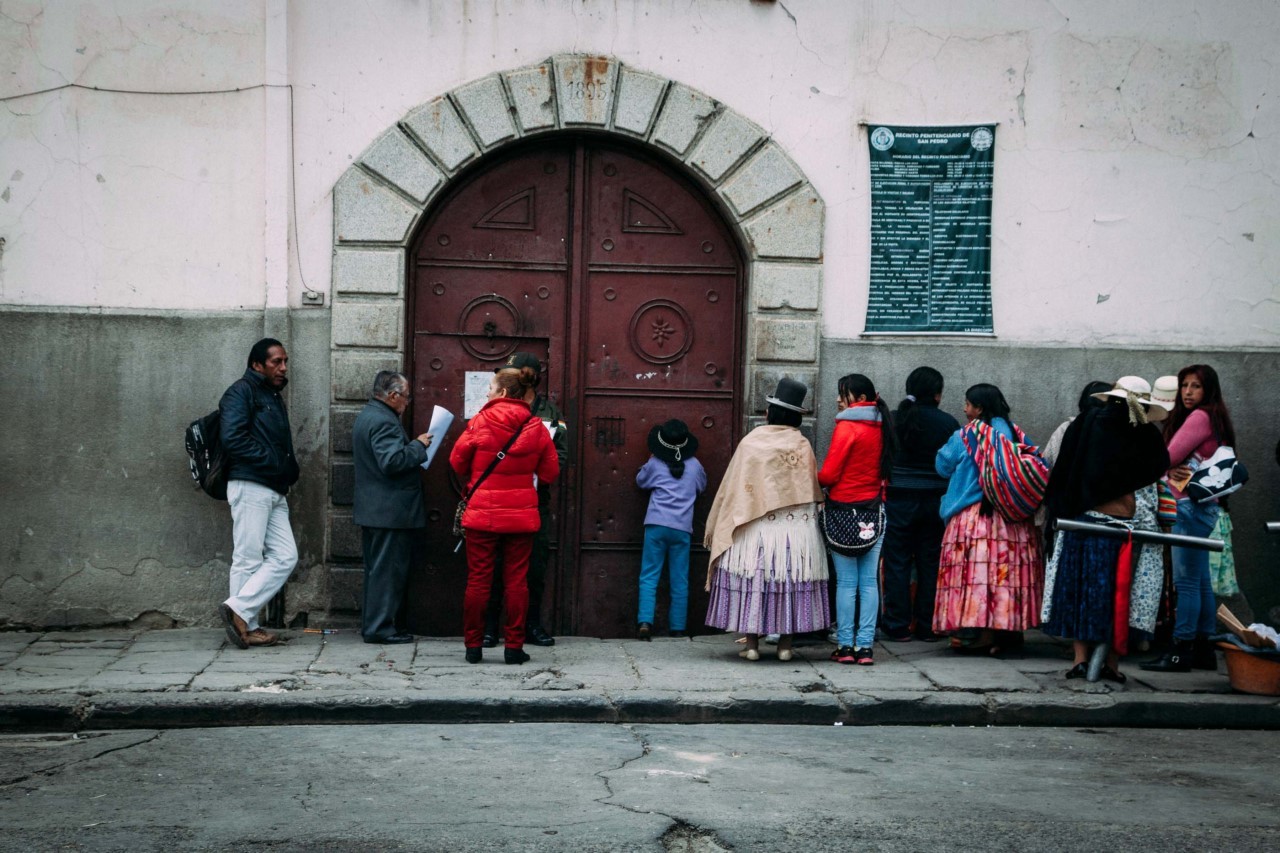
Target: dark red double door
{"x": 626, "y": 282}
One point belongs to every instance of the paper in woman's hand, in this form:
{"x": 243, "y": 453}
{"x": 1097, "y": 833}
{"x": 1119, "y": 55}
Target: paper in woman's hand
{"x": 441, "y": 420}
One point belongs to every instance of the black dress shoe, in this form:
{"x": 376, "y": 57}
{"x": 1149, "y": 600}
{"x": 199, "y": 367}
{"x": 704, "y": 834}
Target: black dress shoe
{"x": 490, "y": 641}
{"x": 394, "y": 639}
{"x": 539, "y": 636}
{"x": 475, "y": 654}
{"x": 644, "y": 631}
{"x": 515, "y": 655}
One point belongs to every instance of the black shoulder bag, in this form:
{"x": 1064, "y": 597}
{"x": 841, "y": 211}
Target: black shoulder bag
{"x": 502, "y": 454}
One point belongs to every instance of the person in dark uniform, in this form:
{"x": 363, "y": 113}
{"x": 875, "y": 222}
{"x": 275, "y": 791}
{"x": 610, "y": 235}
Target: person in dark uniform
{"x": 542, "y": 407}
{"x": 388, "y": 504}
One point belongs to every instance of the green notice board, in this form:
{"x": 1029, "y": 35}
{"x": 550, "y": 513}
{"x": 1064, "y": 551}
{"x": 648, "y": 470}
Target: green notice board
{"x": 931, "y": 229}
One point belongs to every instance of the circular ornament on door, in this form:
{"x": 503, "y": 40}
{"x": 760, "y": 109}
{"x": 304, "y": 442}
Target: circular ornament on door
{"x": 491, "y": 326}
{"x": 610, "y": 294}
{"x": 611, "y": 170}
{"x": 437, "y": 364}
{"x": 713, "y": 296}
{"x": 707, "y": 247}
{"x": 608, "y": 245}
{"x": 443, "y": 239}
{"x": 708, "y": 422}
{"x": 661, "y": 331}
{"x": 549, "y": 168}
{"x": 544, "y": 292}
{"x": 438, "y": 288}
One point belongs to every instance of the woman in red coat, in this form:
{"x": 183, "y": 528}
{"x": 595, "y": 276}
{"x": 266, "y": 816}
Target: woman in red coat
{"x": 502, "y": 514}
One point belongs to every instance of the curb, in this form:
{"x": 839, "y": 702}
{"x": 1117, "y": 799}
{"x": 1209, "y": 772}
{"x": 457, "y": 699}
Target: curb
{"x": 121, "y": 711}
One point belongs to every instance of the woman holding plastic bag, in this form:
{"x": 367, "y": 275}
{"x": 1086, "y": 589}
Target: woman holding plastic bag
{"x": 1197, "y": 427}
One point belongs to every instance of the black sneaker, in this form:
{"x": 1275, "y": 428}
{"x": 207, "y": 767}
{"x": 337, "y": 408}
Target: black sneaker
{"x": 515, "y": 655}
{"x": 844, "y": 654}
{"x": 475, "y": 654}
{"x": 862, "y": 657}
{"x": 490, "y": 641}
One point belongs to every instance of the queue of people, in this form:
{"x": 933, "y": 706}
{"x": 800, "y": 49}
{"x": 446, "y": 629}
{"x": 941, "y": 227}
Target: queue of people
{"x": 961, "y": 505}
{"x": 898, "y": 492}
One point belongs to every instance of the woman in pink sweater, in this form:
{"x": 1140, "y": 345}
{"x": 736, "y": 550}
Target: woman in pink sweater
{"x": 1199, "y": 423}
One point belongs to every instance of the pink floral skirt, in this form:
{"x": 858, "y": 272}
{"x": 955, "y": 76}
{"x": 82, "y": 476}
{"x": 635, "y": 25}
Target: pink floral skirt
{"x": 991, "y": 574}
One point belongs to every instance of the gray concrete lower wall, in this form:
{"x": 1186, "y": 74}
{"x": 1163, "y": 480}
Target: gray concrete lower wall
{"x": 1043, "y": 384}
{"x": 99, "y": 522}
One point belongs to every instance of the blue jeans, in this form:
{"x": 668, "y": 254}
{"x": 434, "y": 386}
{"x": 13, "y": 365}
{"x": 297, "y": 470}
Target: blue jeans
{"x": 857, "y": 589}
{"x": 1196, "y": 613}
{"x": 670, "y": 546}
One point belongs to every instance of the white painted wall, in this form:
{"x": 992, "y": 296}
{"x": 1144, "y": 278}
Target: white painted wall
{"x": 1136, "y": 152}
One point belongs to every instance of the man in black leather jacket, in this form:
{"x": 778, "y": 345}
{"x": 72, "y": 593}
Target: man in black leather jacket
{"x": 261, "y": 468}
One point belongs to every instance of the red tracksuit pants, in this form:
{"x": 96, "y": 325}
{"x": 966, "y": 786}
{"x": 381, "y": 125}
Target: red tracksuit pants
{"x": 484, "y": 551}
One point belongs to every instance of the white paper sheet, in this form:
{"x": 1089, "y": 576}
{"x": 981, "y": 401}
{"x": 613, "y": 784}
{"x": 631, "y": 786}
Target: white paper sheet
{"x": 476, "y": 392}
{"x": 441, "y": 420}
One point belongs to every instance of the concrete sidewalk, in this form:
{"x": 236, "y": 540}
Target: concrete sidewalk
{"x": 111, "y": 679}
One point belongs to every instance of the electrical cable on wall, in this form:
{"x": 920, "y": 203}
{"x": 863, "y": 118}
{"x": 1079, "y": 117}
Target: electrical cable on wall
{"x": 293, "y": 177}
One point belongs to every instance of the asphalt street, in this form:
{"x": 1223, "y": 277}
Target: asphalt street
{"x": 638, "y": 787}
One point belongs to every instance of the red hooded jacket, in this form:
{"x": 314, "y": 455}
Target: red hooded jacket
{"x": 506, "y": 501}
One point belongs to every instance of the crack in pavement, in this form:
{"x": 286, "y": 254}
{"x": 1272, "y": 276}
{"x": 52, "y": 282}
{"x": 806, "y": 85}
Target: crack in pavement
{"x": 50, "y": 771}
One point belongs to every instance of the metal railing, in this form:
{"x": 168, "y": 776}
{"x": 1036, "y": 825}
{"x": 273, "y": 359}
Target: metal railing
{"x": 1146, "y": 537}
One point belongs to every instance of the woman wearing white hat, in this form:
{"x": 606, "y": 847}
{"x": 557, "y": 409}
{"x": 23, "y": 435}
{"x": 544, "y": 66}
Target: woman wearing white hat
{"x": 1106, "y": 469}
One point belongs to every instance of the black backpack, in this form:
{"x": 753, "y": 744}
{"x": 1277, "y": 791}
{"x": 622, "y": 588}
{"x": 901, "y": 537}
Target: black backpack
{"x": 205, "y": 455}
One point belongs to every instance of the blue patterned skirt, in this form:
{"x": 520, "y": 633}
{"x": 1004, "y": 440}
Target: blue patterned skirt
{"x": 1084, "y": 591}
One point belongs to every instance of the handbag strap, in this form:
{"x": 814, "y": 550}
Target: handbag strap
{"x": 502, "y": 454}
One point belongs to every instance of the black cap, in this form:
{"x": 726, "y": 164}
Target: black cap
{"x": 520, "y": 360}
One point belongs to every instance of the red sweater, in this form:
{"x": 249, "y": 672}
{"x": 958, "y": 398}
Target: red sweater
{"x": 506, "y": 501}
{"x": 851, "y": 471}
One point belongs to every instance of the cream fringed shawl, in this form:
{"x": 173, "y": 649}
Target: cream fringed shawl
{"x": 782, "y": 545}
{"x": 773, "y": 468}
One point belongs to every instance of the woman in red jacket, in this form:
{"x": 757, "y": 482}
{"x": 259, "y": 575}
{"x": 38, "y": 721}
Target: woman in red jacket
{"x": 502, "y": 514}
{"x": 855, "y": 472}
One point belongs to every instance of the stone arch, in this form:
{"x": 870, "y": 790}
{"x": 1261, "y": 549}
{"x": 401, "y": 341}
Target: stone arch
{"x": 377, "y": 204}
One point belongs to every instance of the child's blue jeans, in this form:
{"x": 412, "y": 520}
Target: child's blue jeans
{"x": 670, "y": 546}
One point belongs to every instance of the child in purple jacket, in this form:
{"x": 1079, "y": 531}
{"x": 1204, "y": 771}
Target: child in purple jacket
{"x": 674, "y": 479}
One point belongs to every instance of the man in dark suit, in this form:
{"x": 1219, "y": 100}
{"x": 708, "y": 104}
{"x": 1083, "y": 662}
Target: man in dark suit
{"x": 388, "y": 503}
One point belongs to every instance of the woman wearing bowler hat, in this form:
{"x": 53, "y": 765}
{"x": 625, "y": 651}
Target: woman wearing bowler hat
{"x": 768, "y": 567}
{"x": 674, "y": 479}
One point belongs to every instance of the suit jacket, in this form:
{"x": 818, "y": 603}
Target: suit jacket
{"x": 388, "y": 490}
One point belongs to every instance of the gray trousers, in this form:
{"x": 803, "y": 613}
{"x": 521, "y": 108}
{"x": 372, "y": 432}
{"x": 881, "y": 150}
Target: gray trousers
{"x": 388, "y": 554}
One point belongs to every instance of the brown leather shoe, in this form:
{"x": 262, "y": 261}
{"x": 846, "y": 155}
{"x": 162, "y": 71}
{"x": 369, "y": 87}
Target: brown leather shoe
{"x": 259, "y": 637}
{"x": 237, "y": 630}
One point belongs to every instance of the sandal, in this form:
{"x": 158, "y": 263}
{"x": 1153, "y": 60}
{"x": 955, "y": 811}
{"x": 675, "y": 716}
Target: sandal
{"x": 1113, "y": 675}
{"x": 1080, "y": 670}
{"x": 974, "y": 647}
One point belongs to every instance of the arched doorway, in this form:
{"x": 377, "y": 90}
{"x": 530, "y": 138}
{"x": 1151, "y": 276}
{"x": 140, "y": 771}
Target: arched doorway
{"x": 626, "y": 281}
{"x": 380, "y": 205}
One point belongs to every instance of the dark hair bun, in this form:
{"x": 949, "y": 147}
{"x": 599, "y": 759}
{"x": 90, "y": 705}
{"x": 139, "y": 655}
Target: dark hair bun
{"x": 528, "y": 377}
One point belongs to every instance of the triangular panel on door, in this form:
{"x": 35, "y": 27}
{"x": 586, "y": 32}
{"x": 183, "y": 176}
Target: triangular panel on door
{"x": 512, "y": 214}
{"x": 639, "y": 215}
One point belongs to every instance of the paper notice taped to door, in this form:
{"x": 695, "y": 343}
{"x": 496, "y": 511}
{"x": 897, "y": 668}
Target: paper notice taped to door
{"x": 476, "y": 393}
